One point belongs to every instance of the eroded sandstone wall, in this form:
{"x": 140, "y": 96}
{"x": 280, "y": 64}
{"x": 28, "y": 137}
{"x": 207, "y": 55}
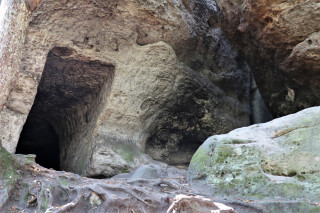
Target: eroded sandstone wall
{"x": 177, "y": 80}
{"x": 14, "y": 16}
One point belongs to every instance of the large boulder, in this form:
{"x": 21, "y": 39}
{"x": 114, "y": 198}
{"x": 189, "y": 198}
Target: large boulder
{"x": 278, "y": 160}
{"x": 114, "y": 79}
{"x": 280, "y": 40}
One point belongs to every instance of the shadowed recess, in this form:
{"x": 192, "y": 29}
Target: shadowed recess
{"x": 70, "y": 96}
{"x": 39, "y": 137}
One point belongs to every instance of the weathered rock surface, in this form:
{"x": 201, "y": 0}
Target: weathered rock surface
{"x": 278, "y": 160}
{"x": 14, "y": 17}
{"x": 13, "y": 22}
{"x": 121, "y": 78}
{"x": 280, "y": 40}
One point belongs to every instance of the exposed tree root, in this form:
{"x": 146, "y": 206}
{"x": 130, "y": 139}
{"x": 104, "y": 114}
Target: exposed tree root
{"x": 47, "y": 191}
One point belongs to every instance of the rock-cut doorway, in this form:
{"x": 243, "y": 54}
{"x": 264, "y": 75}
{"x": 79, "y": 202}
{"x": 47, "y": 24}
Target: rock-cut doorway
{"x": 69, "y": 97}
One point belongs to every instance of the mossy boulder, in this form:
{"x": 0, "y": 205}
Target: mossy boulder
{"x": 278, "y": 160}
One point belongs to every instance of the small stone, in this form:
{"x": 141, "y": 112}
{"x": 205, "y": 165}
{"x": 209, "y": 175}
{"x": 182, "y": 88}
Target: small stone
{"x": 95, "y": 199}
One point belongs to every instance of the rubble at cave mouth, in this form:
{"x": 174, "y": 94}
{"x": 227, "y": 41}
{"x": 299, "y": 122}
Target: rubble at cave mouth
{"x": 69, "y": 98}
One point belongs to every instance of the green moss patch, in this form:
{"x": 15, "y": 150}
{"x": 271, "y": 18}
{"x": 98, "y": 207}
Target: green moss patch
{"x": 127, "y": 153}
{"x": 237, "y": 168}
{"x": 8, "y": 171}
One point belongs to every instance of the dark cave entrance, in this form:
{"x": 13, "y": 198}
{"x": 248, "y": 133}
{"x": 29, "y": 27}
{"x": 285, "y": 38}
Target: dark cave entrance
{"x": 69, "y": 98}
{"x": 39, "y": 137}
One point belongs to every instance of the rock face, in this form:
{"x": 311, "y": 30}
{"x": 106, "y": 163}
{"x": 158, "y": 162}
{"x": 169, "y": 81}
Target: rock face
{"x": 13, "y": 22}
{"x": 14, "y": 17}
{"x": 121, "y": 78}
{"x": 278, "y": 160}
{"x": 280, "y": 40}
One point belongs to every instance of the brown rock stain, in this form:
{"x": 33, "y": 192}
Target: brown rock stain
{"x": 32, "y": 4}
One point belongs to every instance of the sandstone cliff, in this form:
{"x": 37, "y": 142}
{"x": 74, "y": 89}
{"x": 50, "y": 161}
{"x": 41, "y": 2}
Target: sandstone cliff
{"x": 116, "y": 79}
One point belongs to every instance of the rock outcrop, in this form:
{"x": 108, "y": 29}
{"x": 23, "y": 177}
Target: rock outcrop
{"x": 122, "y": 78}
{"x": 278, "y": 160}
{"x": 280, "y": 40}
